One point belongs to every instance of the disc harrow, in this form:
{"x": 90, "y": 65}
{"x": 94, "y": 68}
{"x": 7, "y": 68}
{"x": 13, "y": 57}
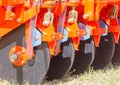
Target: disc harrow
{"x": 47, "y": 39}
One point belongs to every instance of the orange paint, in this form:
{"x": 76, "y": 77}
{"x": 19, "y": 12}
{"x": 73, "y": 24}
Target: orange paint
{"x": 21, "y": 56}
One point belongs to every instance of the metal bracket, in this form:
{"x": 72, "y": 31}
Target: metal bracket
{"x": 85, "y": 27}
{"x": 65, "y": 38}
{"x": 114, "y": 12}
{"x": 36, "y": 37}
{"x": 103, "y": 25}
{"x": 48, "y": 18}
{"x": 73, "y": 15}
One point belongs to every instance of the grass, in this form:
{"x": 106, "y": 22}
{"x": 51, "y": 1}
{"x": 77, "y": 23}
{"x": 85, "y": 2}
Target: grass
{"x": 109, "y": 76}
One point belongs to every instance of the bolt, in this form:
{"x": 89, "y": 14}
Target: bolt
{"x": 19, "y": 20}
{"x": 14, "y": 57}
{"x": 85, "y": 32}
{"x": 22, "y": 62}
{"x": 23, "y": 51}
{"x": 78, "y": 33}
{"x": 60, "y": 35}
{"x": 37, "y": 1}
{"x": 31, "y": 62}
{"x": 36, "y": 38}
{"x": 85, "y": 16}
{"x": 53, "y": 36}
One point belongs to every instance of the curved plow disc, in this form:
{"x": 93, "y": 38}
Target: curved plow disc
{"x": 104, "y": 52}
{"x": 33, "y": 71}
{"x": 84, "y": 56}
{"x": 116, "y": 56}
{"x": 62, "y": 63}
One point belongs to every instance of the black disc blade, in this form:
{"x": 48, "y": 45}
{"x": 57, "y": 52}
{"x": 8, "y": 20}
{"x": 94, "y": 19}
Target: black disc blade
{"x": 62, "y": 63}
{"x": 104, "y": 52}
{"x": 30, "y": 73}
{"x": 116, "y": 56}
{"x": 84, "y": 56}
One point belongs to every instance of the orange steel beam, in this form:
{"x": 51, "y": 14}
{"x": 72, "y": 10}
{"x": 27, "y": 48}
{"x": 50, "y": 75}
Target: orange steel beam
{"x": 7, "y": 26}
{"x": 11, "y": 2}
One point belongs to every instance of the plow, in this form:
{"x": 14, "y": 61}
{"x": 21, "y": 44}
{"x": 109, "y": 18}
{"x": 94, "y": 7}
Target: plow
{"x": 47, "y": 39}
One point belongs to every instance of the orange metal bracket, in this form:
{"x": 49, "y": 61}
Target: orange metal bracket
{"x": 88, "y": 9}
{"x": 51, "y": 37}
{"x": 71, "y": 3}
{"x": 49, "y": 34}
{"x": 7, "y": 26}
{"x": 9, "y": 15}
{"x": 73, "y": 33}
{"x": 96, "y": 32}
{"x": 114, "y": 28}
{"x": 11, "y": 2}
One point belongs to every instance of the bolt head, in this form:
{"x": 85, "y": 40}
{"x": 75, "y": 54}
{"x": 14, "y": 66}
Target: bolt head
{"x": 78, "y": 33}
{"x": 53, "y": 36}
{"x": 14, "y": 57}
{"x": 19, "y": 20}
{"x": 85, "y": 16}
{"x": 36, "y": 38}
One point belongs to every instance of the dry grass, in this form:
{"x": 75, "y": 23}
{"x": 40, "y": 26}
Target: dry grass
{"x": 109, "y": 76}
